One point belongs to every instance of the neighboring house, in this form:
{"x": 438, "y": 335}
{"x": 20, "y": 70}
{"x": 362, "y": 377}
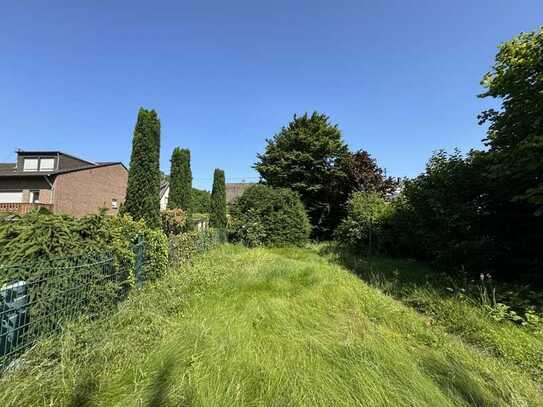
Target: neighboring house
{"x": 61, "y": 183}
{"x": 198, "y": 223}
{"x": 234, "y": 191}
{"x": 164, "y": 195}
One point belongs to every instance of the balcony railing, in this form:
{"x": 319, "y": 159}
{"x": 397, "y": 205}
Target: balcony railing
{"x": 22, "y": 208}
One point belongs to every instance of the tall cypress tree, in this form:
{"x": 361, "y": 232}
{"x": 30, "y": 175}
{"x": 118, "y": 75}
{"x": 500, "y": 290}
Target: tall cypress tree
{"x": 143, "y": 191}
{"x": 217, "y": 217}
{"x": 174, "y": 200}
{"x": 186, "y": 184}
{"x": 180, "y": 180}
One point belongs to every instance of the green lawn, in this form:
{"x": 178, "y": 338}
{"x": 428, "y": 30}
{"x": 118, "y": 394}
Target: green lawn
{"x": 279, "y": 327}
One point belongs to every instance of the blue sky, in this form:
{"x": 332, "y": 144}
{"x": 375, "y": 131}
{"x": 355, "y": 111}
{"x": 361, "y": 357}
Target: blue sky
{"x": 400, "y": 77}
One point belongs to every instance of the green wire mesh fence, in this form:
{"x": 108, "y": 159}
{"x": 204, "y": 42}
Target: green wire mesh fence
{"x": 37, "y": 298}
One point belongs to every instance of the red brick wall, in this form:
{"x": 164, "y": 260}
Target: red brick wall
{"x": 83, "y": 192}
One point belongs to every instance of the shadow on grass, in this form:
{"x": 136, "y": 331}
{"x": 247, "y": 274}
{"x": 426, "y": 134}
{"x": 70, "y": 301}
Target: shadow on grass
{"x": 84, "y": 392}
{"x": 157, "y": 393}
{"x": 403, "y": 277}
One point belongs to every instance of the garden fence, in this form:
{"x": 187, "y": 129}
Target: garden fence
{"x": 38, "y": 297}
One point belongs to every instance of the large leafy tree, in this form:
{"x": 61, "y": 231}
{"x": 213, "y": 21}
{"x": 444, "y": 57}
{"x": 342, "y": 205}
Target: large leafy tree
{"x": 362, "y": 174}
{"x": 515, "y": 136}
{"x": 514, "y": 160}
{"x": 180, "y": 180}
{"x": 217, "y": 216}
{"x": 143, "y": 190}
{"x": 305, "y": 156}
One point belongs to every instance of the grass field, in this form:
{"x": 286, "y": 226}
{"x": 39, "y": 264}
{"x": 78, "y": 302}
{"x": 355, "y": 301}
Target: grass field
{"x": 278, "y": 327}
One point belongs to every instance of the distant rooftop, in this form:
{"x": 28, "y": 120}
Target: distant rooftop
{"x": 235, "y": 190}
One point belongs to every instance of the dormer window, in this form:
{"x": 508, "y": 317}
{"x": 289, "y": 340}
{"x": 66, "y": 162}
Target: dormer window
{"x": 39, "y": 164}
{"x": 30, "y": 164}
{"x": 47, "y": 164}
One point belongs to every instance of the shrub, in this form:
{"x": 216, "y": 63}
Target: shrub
{"x": 269, "y": 216}
{"x": 441, "y": 214}
{"x": 156, "y": 254}
{"x": 183, "y": 247}
{"x": 174, "y": 221}
{"x": 47, "y": 237}
{"x": 363, "y": 228}
{"x": 74, "y": 266}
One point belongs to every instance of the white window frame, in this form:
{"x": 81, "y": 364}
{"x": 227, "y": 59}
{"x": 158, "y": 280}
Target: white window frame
{"x": 114, "y": 204}
{"x": 28, "y": 161}
{"x": 18, "y": 193}
{"x": 51, "y": 160}
{"x": 31, "y": 196}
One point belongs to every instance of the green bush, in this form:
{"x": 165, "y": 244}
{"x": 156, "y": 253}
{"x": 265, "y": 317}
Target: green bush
{"x": 363, "y": 228}
{"x": 174, "y": 221}
{"x": 269, "y": 216}
{"x": 46, "y": 238}
{"x": 441, "y": 215}
{"x": 156, "y": 254}
{"x": 183, "y": 247}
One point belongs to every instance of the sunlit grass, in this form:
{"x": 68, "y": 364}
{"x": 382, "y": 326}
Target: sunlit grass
{"x": 264, "y": 327}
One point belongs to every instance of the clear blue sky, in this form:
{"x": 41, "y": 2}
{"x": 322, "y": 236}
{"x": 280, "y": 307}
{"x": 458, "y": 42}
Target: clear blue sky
{"x": 400, "y": 77}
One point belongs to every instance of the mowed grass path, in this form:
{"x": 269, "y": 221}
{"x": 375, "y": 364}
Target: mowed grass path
{"x": 263, "y": 327}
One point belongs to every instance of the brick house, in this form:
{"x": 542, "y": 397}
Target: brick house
{"x": 61, "y": 183}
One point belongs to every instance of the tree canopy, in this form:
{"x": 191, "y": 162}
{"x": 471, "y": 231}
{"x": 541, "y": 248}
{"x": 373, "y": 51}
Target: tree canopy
{"x": 515, "y": 136}
{"x": 310, "y": 157}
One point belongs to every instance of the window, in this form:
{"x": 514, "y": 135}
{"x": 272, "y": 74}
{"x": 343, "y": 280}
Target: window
{"x": 11, "y": 196}
{"x": 114, "y": 204}
{"x": 34, "y": 197}
{"x": 47, "y": 164}
{"x": 30, "y": 164}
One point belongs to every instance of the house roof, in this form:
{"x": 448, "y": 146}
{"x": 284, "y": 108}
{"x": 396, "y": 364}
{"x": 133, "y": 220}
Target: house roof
{"x": 163, "y": 188}
{"x": 13, "y": 173}
{"x": 7, "y": 167}
{"x": 51, "y": 152}
{"x": 234, "y": 190}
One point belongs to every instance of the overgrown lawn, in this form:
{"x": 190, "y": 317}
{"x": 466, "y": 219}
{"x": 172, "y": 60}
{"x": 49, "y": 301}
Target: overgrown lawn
{"x": 277, "y": 327}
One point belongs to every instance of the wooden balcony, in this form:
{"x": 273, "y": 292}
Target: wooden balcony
{"x": 22, "y": 208}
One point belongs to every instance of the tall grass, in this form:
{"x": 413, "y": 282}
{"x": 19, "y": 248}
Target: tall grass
{"x": 281, "y": 327}
{"x": 461, "y": 308}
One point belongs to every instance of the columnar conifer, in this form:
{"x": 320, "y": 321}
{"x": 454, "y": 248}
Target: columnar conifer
{"x": 143, "y": 190}
{"x": 217, "y": 217}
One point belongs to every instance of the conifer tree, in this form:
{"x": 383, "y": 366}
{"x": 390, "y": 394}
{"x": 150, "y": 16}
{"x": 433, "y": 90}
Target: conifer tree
{"x": 217, "y": 217}
{"x": 180, "y": 181}
{"x": 143, "y": 191}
